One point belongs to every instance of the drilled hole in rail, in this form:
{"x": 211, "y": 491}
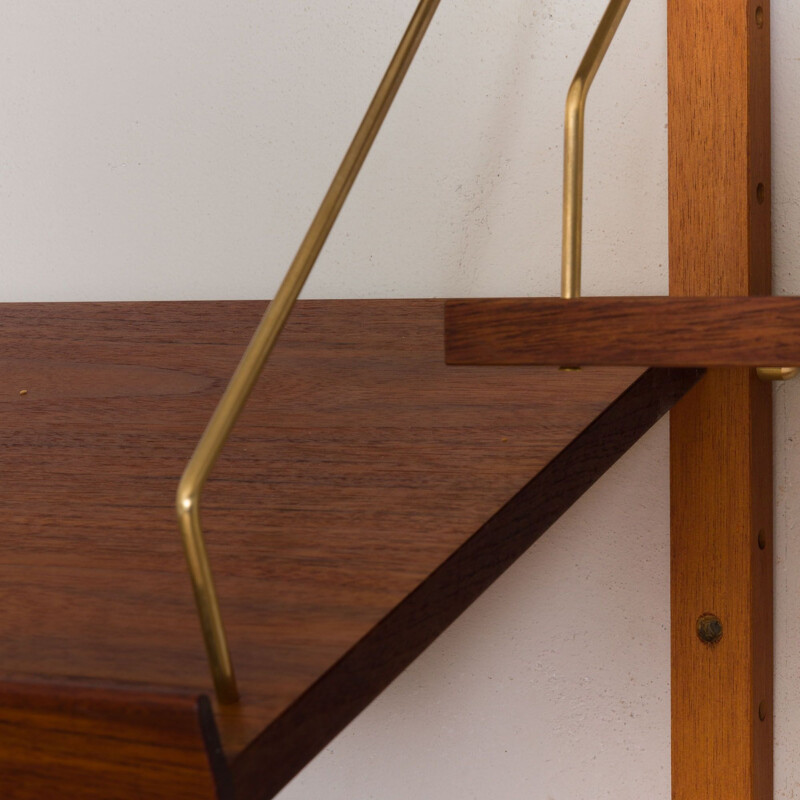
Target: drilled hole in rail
{"x": 760, "y": 193}
{"x": 760, "y": 17}
{"x": 762, "y": 710}
{"x": 762, "y": 539}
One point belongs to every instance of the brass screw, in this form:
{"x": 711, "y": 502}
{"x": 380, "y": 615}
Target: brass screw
{"x": 23, "y": 392}
{"x": 709, "y": 629}
{"x": 760, "y": 17}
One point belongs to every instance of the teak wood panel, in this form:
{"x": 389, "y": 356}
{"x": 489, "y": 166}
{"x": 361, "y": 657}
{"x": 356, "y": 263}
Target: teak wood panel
{"x": 625, "y": 331}
{"x": 82, "y": 743}
{"x": 721, "y": 434}
{"x": 346, "y": 520}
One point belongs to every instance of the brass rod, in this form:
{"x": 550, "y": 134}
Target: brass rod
{"x": 573, "y": 147}
{"x": 777, "y": 373}
{"x": 233, "y": 400}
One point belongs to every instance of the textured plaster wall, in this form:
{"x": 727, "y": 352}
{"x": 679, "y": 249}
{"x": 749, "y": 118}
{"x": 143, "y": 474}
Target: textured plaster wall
{"x": 165, "y": 149}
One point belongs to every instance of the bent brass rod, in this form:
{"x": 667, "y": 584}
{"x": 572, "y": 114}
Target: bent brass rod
{"x": 235, "y": 396}
{"x": 573, "y": 147}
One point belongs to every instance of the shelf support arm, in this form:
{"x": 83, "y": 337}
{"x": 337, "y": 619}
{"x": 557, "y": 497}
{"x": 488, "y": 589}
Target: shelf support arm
{"x": 573, "y": 147}
{"x": 263, "y": 341}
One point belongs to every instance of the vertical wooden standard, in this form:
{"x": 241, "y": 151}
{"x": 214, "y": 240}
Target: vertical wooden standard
{"x": 721, "y": 433}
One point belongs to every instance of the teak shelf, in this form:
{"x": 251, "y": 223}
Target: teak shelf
{"x": 369, "y": 494}
{"x": 371, "y": 491}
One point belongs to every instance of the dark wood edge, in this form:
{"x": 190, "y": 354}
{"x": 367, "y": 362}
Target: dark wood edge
{"x": 217, "y": 761}
{"x": 305, "y": 728}
{"x": 624, "y": 331}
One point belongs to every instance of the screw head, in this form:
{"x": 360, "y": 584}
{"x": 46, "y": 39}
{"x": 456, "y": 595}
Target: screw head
{"x": 709, "y": 629}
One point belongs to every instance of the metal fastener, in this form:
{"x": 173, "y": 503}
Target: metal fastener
{"x": 709, "y": 629}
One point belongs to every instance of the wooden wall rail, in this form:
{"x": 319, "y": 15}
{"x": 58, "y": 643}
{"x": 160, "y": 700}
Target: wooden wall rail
{"x": 721, "y": 433}
{"x": 625, "y": 331}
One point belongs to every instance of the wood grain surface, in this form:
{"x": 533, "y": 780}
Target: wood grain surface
{"x": 287, "y": 745}
{"x": 114, "y": 743}
{"x": 625, "y": 331}
{"x": 721, "y": 434}
{"x": 360, "y": 467}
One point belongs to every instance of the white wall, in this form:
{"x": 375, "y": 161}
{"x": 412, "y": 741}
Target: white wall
{"x": 164, "y": 149}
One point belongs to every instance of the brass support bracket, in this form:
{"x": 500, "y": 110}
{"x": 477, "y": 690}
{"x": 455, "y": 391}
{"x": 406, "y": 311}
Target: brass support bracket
{"x": 266, "y": 335}
{"x": 573, "y": 147}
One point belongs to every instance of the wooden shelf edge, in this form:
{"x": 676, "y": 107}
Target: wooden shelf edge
{"x": 624, "y": 331}
{"x": 307, "y": 726}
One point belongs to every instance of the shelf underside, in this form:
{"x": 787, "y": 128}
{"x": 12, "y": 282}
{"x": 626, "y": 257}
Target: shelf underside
{"x": 368, "y": 494}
